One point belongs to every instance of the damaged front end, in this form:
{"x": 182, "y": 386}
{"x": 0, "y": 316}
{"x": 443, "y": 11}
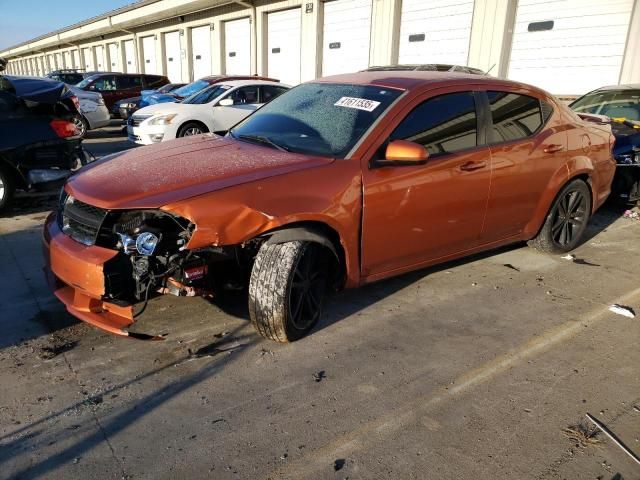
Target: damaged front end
{"x": 105, "y": 265}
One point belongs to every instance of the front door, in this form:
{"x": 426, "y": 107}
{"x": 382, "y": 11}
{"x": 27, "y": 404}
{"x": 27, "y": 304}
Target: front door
{"x": 245, "y": 102}
{"x": 414, "y": 215}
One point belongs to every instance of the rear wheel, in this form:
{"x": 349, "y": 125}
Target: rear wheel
{"x": 81, "y": 124}
{"x": 6, "y": 187}
{"x": 191, "y": 128}
{"x": 567, "y": 220}
{"x": 287, "y": 288}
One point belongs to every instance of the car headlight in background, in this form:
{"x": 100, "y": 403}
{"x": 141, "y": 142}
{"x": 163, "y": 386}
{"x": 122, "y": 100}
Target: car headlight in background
{"x": 162, "y": 119}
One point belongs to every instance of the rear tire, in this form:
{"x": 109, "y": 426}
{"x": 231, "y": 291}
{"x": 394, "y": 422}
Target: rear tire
{"x": 566, "y": 221}
{"x": 7, "y": 187}
{"x": 81, "y": 124}
{"x": 191, "y": 128}
{"x": 287, "y": 288}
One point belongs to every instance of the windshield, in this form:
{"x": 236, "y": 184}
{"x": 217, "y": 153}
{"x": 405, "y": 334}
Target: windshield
{"x": 612, "y": 103}
{"x": 207, "y": 95}
{"x": 191, "y": 88}
{"x": 319, "y": 118}
{"x": 86, "y": 81}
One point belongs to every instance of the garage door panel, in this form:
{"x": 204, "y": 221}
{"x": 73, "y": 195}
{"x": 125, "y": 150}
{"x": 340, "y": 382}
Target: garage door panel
{"x": 583, "y": 50}
{"x": 283, "y": 45}
{"x": 131, "y": 65}
{"x": 435, "y": 32}
{"x": 149, "y": 55}
{"x": 201, "y": 51}
{"x": 237, "y": 47}
{"x": 173, "y": 56}
{"x": 346, "y": 36}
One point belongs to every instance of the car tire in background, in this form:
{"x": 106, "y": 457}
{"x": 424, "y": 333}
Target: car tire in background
{"x": 287, "y": 288}
{"x": 7, "y": 187}
{"x": 566, "y": 221}
{"x": 191, "y": 128}
{"x": 81, "y": 124}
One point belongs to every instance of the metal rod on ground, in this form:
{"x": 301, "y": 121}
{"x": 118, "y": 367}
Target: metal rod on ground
{"x": 612, "y": 436}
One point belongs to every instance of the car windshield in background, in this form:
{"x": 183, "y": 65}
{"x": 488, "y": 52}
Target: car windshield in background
{"x": 191, "y": 88}
{"x": 612, "y": 103}
{"x": 318, "y": 118}
{"x": 207, "y": 95}
{"x": 86, "y": 81}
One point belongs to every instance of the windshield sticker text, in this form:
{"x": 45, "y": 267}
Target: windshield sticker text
{"x": 358, "y": 103}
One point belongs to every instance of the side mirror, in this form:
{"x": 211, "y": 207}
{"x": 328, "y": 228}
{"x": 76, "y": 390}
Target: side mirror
{"x": 225, "y": 102}
{"x": 403, "y": 153}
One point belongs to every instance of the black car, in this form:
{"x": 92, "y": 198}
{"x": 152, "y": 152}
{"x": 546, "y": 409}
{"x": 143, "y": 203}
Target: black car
{"x": 39, "y": 144}
{"x": 125, "y": 108}
{"x": 619, "y": 105}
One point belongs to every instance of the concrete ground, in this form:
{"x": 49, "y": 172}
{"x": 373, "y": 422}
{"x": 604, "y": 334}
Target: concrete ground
{"x": 478, "y": 369}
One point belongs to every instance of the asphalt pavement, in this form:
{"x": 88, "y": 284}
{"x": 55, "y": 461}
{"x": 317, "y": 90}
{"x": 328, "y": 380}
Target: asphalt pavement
{"x": 478, "y": 369}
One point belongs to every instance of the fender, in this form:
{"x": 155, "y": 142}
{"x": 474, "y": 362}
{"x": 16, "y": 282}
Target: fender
{"x": 303, "y": 233}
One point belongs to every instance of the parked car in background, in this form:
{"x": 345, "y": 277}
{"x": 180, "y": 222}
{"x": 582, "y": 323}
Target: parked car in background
{"x": 70, "y": 76}
{"x": 93, "y": 111}
{"x": 117, "y": 86}
{"x": 214, "y": 109}
{"x": 339, "y": 182}
{"x": 39, "y": 143}
{"x": 427, "y": 67}
{"x": 194, "y": 87}
{"x": 124, "y": 108}
{"x": 619, "y": 105}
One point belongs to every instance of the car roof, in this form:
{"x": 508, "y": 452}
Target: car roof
{"x": 409, "y": 80}
{"x": 630, "y": 86}
{"x": 222, "y": 78}
{"x": 241, "y": 83}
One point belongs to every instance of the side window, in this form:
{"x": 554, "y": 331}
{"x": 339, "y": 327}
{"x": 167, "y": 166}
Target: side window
{"x": 514, "y": 116}
{"x": 245, "y": 95}
{"x": 269, "y": 92}
{"x": 154, "y": 81}
{"x": 129, "y": 81}
{"x": 105, "y": 84}
{"x": 443, "y": 124}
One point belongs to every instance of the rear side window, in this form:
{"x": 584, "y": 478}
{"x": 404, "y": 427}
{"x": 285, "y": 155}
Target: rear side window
{"x": 443, "y": 124}
{"x": 514, "y": 116}
{"x": 155, "y": 80}
{"x": 129, "y": 81}
{"x": 269, "y": 92}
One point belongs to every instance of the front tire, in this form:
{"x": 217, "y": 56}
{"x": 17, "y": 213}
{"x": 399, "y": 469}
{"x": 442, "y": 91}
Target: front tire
{"x": 7, "y": 187}
{"x": 191, "y": 128}
{"x": 287, "y": 288}
{"x": 566, "y": 221}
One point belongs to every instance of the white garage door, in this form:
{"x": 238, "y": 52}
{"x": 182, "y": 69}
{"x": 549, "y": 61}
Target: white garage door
{"x": 346, "y": 36}
{"x": 59, "y": 64}
{"x": 173, "y": 57}
{"x": 435, "y": 31}
{"x": 131, "y": 64}
{"x": 201, "y": 51}
{"x": 149, "y": 55}
{"x": 283, "y": 43}
{"x": 74, "y": 59}
{"x": 88, "y": 59}
{"x": 237, "y": 47}
{"x": 65, "y": 60}
{"x": 100, "y": 62}
{"x": 569, "y": 46}
{"x": 114, "y": 57}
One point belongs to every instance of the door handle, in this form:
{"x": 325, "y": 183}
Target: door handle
{"x": 553, "y": 148}
{"x": 471, "y": 166}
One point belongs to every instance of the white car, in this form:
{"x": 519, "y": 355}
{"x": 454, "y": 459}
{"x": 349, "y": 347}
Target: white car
{"x": 214, "y": 109}
{"x": 94, "y": 112}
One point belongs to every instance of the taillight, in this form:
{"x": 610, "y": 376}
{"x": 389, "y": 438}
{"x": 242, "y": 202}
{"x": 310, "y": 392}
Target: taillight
{"x": 64, "y": 129}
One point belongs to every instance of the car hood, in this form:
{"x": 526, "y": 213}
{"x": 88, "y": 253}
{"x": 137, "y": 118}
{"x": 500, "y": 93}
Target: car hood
{"x": 159, "y": 108}
{"x": 153, "y": 176}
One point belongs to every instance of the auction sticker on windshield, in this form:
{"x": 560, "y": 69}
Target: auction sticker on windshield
{"x": 359, "y": 103}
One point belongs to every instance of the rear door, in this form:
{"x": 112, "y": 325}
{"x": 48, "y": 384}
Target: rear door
{"x": 418, "y": 214}
{"x": 525, "y": 156}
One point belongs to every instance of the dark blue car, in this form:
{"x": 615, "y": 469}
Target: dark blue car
{"x": 621, "y": 104}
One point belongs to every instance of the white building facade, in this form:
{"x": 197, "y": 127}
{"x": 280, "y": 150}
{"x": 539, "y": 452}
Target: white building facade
{"x": 567, "y": 47}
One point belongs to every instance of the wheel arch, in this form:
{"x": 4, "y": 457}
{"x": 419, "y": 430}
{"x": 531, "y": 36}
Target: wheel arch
{"x": 12, "y": 169}
{"x": 312, "y": 231}
{"x": 195, "y": 121}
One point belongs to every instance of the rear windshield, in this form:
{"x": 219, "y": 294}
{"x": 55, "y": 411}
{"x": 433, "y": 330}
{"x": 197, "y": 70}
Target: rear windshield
{"x": 612, "y": 103}
{"x": 319, "y": 118}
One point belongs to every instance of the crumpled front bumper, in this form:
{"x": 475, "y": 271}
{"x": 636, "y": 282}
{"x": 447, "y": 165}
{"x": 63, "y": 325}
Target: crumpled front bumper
{"x": 75, "y": 275}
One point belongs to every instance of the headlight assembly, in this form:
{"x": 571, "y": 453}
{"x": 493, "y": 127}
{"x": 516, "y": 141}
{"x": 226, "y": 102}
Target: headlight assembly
{"x": 162, "y": 119}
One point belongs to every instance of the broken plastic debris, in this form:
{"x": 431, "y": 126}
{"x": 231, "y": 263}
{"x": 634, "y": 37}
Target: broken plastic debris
{"x": 569, "y": 257}
{"x": 622, "y": 310}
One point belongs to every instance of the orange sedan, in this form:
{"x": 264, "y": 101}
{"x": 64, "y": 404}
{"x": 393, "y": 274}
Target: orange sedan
{"x": 339, "y": 182}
